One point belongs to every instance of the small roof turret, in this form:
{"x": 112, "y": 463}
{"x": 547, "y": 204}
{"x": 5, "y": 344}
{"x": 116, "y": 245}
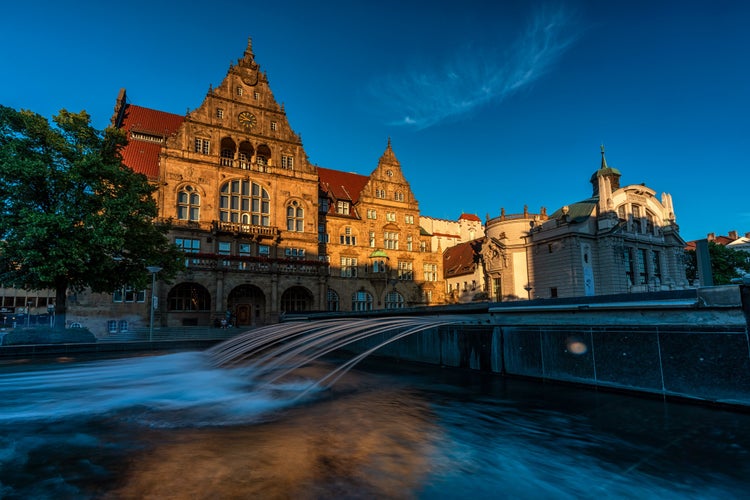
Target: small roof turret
{"x": 606, "y": 171}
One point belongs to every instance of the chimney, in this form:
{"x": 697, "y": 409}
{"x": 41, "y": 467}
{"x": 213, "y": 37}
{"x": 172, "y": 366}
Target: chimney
{"x": 711, "y": 236}
{"x": 733, "y": 235}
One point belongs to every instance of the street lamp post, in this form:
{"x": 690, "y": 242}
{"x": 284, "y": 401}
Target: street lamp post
{"x": 153, "y": 270}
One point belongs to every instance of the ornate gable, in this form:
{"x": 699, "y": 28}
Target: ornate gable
{"x": 244, "y": 124}
{"x": 387, "y": 181}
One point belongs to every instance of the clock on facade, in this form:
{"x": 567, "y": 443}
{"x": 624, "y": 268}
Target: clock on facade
{"x": 247, "y": 119}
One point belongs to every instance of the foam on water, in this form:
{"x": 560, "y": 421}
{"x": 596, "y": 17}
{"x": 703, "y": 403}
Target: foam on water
{"x": 145, "y": 386}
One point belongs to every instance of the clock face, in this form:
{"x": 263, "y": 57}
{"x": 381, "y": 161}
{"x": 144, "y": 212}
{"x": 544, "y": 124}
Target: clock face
{"x": 247, "y": 119}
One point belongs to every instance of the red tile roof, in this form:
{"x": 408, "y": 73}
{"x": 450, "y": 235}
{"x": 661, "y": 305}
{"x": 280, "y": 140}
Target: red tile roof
{"x": 711, "y": 237}
{"x": 150, "y": 121}
{"x": 462, "y": 258}
{"x": 143, "y": 156}
{"x": 469, "y": 217}
{"x": 342, "y": 185}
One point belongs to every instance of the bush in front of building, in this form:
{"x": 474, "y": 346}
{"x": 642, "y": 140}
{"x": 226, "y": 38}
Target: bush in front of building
{"x": 46, "y": 335}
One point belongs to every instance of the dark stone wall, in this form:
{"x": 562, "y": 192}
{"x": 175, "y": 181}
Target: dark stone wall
{"x": 710, "y": 363}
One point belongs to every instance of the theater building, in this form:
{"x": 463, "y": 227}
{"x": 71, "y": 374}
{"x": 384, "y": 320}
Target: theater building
{"x": 623, "y": 239}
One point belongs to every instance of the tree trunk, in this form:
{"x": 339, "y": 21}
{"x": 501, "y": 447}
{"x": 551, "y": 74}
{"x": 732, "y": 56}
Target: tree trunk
{"x": 61, "y": 291}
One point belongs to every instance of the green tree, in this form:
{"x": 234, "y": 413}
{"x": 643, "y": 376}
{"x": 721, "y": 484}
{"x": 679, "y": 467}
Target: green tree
{"x": 72, "y": 216}
{"x": 726, "y": 263}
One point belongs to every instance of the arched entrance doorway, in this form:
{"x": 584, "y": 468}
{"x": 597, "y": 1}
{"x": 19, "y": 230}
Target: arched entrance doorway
{"x": 247, "y": 303}
{"x": 296, "y": 299}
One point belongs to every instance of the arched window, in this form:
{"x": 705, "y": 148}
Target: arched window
{"x": 332, "y": 300}
{"x": 246, "y": 152}
{"x": 188, "y": 204}
{"x": 361, "y": 301}
{"x": 296, "y": 299}
{"x": 228, "y": 148}
{"x": 295, "y": 217}
{"x": 189, "y": 297}
{"x": 394, "y": 300}
{"x": 244, "y": 201}
{"x": 263, "y": 157}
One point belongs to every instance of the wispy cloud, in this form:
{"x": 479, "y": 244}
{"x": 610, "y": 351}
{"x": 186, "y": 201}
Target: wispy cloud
{"x": 476, "y": 76}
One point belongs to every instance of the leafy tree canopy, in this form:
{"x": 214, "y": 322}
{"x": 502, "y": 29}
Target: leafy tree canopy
{"x": 71, "y": 214}
{"x": 726, "y": 263}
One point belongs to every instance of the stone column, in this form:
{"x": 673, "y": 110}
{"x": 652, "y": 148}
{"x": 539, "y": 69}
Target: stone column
{"x": 219, "y": 304}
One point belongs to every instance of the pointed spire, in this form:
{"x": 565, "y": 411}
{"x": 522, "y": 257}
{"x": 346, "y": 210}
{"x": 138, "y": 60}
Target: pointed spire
{"x": 249, "y": 50}
{"x": 604, "y": 160}
{"x": 389, "y": 156}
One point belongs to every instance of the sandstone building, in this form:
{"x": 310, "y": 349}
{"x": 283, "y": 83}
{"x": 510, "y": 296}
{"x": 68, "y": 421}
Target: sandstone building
{"x": 265, "y": 231}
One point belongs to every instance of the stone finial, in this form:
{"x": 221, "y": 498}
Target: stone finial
{"x": 249, "y": 50}
{"x": 389, "y": 156}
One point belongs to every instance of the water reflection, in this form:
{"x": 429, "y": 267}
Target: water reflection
{"x": 173, "y": 426}
{"x": 356, "y": 446}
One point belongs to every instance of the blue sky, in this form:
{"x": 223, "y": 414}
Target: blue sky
{"x": 488, "y": 104}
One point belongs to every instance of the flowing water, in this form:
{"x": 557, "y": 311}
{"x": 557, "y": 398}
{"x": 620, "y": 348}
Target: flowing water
{"x": 179, "y": 426}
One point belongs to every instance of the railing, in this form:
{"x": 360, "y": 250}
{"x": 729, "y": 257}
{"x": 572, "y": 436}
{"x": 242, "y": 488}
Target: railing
{"x": 245, "y": 229}
{"x": 202, "y": 261}
{"x": 245, "y": 165}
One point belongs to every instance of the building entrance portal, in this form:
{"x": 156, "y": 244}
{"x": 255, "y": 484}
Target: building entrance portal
{"x": 247, "y": 303}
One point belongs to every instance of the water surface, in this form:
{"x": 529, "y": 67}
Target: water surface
{"x": 174, "y": 426}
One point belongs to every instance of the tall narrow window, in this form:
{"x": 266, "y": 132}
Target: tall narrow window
{"x": 372, "y": 239}
{"x": 295, "y": 217}
{"x": 642, "y": 272}
{"x": 627, "y": 259}
{"x": 656, "y": 267}
{"x": 188, "y": 204}
{"x": 322, "y": 235}
{"x": 637, "y": 226}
